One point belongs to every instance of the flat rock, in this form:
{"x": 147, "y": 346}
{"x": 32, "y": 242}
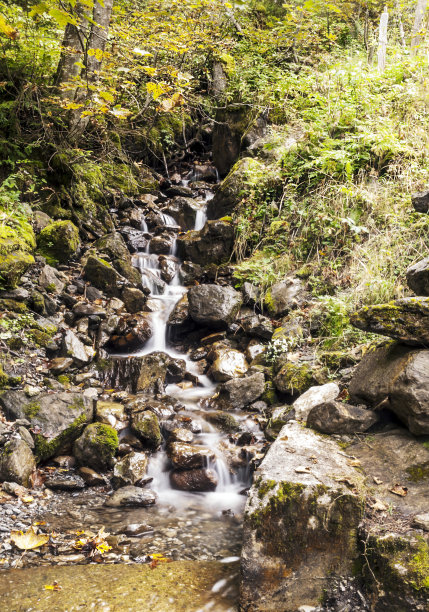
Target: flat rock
{"x": 65, "y": 481}
{"x": 213, "y": 305}
{"x": 337, "y": 418}
{"x": 131, "y": 496}
{"x": 241, "y": 392}
{"x": 313, "y": 397}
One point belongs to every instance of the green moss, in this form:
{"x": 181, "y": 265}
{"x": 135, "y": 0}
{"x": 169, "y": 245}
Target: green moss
{"x": 13, "y": 306}
{"x": 40, "y": 338}
{"x": 294, "y": 378}
{"x": 58, "y": 241}
{"x": 146, "y": 426}
{"x": 107, "y": 438}
{"x": 418, "y": 472}
{"x": 269, "y": 395}
{"x": 45, "y": 449}
{"x": 32, "y": 409}
{"x": 64, "y": 380}
{"x": 419, "y": 566}
{"x": 4, "y": 378}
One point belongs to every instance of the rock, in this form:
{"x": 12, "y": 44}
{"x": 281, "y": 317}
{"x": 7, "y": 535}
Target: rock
{"x": 168, "y": 267}
{"x": 19, "y": 294}
{"x": 400, "y": 375}
{"x": 418, "y": 277}
{"x": 91, "y": 477}
{"x": 131, "y": 496}
{"x": 181, "y": 434}
{"x": 194, "y": 480}
{"x": 420, "y": 201}
{"x": 83, "y": 309}
{"x": 180, "y": 322}
{"x": 147, "y": 373}
{"x": 59, "y": 241}
{"x": 421, "y": 521}
{"x": 190, "y": 272}
{"x": 257, "y": 326}
{"x": 134, "y": 299}
{"x": 64, "y": 481}
{"x": 337, "y": 418}
{"x": 222, "y": 420}
{"x": 60, "y": 365}
{"x": 129, "y": 470}
{"x": 184, "y": 211}
{"x": 241, "y": 392}
{"x": 146, "y": 426}
{"x": 406, "y": 319}
{"x": 211, "y": 245}
{"x": 112, "y": 245}
{"x": 16, "y": 462}
{"x": 228, "y": 364}
{"x": 49, "y": 279}
{"x": 251, "y": 294}
{"x": 104, "y": 276}
{"x": 96, "y": 446}
{"x": 136, "y": 241}
{"x": 294, "y": 378}
{"x": 73, "y": 348}
{"x": 187, "y": 456}
{"x": 40, "y": 221}
{"x": 314, "y": 397}
{"x": 130, "y": 333}
{"x": 161, "y": 245}
{"x": 300, "y": 523}
{"x": 213, "y": 305}
{"x": 111, "y": 413}
{"x": 178, "y": 190}
{"x": 164, "y": 408}
{"x": 253, "y": 350}
{"x": 284, "y": 296}
{"x": 57, "y": 419}
{"x": 15, "y": 253}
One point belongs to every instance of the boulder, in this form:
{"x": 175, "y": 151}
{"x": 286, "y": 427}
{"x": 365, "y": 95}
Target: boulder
{"x": 130, "y": 333}
{"x": 406, "y": 319}
{"x": 188, "y": 457}
{"x": 50, "y": 280}
{"x": 251, "y": 294}
{"x": 134, "y": 299}
{"x": 420, "y": 201}
{"x": 179, "y": 321}
{"x": 59, "y": 241}
{"x": 66, "y": 480}
{"x": 200, "y": 480}
{"x": 313, "y": 397}
{"x": 40, "y": 220}
{"x": 190, "y": 272}
{"x": 75, "y": 349}
{"x": 294, "y": 378}
{"x": 146, "y": 426}
{"x": 104, "y": 276}
{"x": 16, "y": 462}
{"x": 222, "y": 420}
{"x": 228, "y": 364}
{"x": 56, "y": 419}
{"x": 398, "y": 376}
{"x": 418, "y": 277}
{"x": 184, "y": 211}
{"x": 211, "y": 245}
{"x": 131, "y": 496}
{"x": 300, "y": 523}
{"x": 284, "y": 296}
{"x": 96, "y": 446}
{"x": 257, "y": 326}
{"x": 180, "y": 434}
{"x": 16, "y": 246}
{"x": 129, "y": 470}
{"x": 148, "y": 373}
{"x": 337, "y": 418}
{"x": 164, "y": 408}
{"x": 111, "y": 413}
{"x": 161, "y": 245}
{"x": 241, "y": 392}
{"x": 113, "y": 245}
{"x": 91, "y": 477}
{"x": 168, "y": 267}
{"x": 213, "y": 305}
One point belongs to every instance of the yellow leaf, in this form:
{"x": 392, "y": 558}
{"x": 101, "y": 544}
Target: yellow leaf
{"x": 155, "y": 89}
{"x": 53, "y": 587}
{"x": 28, "y": 540}
{"x": 106, "y": 95}
{"x": 73, "y": 106}
{"x": 27, "y": 499}
{"x": 5, "y": 28}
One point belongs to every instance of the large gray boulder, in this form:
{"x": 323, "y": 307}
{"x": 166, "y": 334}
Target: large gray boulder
{"x": 284, "y": 296}
{"x": 96, "y": 446}
{"x": 16, "y": 462}
{"x": 314, "y": 397}
{"x": 406, "y": 319}
{"x": 148, "y": 373}
{"x": 211, "y": 245}
{"x": 337, "y": 418}
{"x": 398, "y": 376}
{"x": 300, "y": 523}
{"x": 418, "y": 277}
{"x": 56, "y": 419}
{"x": 213, "y": 305}
{"x": 240, "y": 392}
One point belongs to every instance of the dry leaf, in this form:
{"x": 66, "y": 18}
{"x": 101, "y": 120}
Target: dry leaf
{"x": 378, "y": 506}
{"x": 377, "y": 481}
{"x": 347, "y": 482}
{"x": 28, "y": 540}
{"x": 53, "y": 587}
{"x": 27, "y": 499}
{"x": 302, "y": 470}
{"x": 398, "y": 489}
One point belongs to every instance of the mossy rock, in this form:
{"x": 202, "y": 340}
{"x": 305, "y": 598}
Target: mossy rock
{"x": 40, "y": 338}
{"x": 13, "y": 306}
{"x": 223, "y": 421}
{"x": 4, "y": 378}
{"x": 103, "y": 276}
{"x": 16, "y": 246}
{"x": 146, "y": 426}
{"x": 96, "y": 446}
{"x": 59, "y": 241}
{"x": 294, "y": 378}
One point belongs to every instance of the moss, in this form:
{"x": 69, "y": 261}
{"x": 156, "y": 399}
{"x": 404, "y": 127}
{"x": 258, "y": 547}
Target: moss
{"x": 45, "y": 449}
{"x": 40, "y": 338}
{"x": 13, "y": 306}
{"x": 4, "y": 378}
{"x": 269, "y": 395}
{"x": 64, "y": 380}
{"x": 418, "y": 472}
{"x": 32, "y": 409}
{"x": 419, "y": 566}
{"x": 58, "y": 241}
{"x": 146, "y": 426}
{"x": 294, "y": 378}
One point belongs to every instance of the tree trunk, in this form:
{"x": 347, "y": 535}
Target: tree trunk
{"x": 98, "y": 36}
{"x": 382, "y": 41}
{"x": 416, "y": 36}
{"x": 73, "y": 52}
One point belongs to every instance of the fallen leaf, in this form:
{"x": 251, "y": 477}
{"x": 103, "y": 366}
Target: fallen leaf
{"x": 347, "y": 482}
{"x": 28, "y": 540}
{"x": 377, "y": 481}
{"x": 302, "y": 470}
{"x": 398, "y": 489}
{"x": 53, "y": 587}
{"x": 27, "y": 499}
{"x": 379, "y": 506}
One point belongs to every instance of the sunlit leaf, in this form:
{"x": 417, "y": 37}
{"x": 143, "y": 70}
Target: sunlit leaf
{"x": 29, "y": 540}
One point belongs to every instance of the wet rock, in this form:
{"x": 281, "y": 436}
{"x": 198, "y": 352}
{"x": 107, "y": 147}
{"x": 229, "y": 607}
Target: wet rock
{"x": 72, "y": 347}
{"x": 211, "y": 245}
{"x": 163, "y": 408}
{"x": 134, "y": 299}
{"x": 129, "y": 470}
{"x": 59, "y": 241}
{"x": 184, "y": 211}
{"x": 190, "y": 272}
{"x": 146, "y": 426}
{"x": 130, "y": 333}
{"x": 178, "y": 190}
{"x": 285, "y": 296}
{"x": 213, "y": 305}
{"x": 418, "y": 277}
{"x": 194, "y": 480}
{"x": 406, "y": 319}
{"x": 84, "y": 309}
{"x": 180, "y": 322}
{"x": 96, "y": 446}
{"x": 240, "y": 392}
{"x": 111, "y": 413}
{"x": 337, "y": 418}
{"x": 91, "y": 477}
{"x": 64, "y": 481}
{"x": 135, "y": 240}
{"x": 57, "y": 419}
{"x": 420, "y": 201}
{"x": 131, "y": 497}
{"x": 314, "y": 397}
{"x": 398, "y": 376}
{"x": 50, "y": 279}
{"x": 228, "y": 364}
{"x": 257, "y": 326}
{"x": 168, "y": 268}
{"x": 112, "y": 245}
{"x": 187, "y": 456}
{"x": 104, "y": 276}
{"x": 16, "y": 462}
{"x": 161, "y": 245}
{"x": 222, "y": 420}
{"x": 300, "y": 523}
{"x": 181, "y": 434}
{"x": 147, "y": 373}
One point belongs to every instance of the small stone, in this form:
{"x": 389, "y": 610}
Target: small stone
{"x": 91, "y": 477}
{"x": 131, "y": 496}
{"x": 65, "y": 481}
{"x": 60, "y": 365}
{"x": 422, "y": 521}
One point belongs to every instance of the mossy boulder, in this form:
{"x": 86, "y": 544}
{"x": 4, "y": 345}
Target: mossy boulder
{"x": 103, "y": 276}
{"x": 284, "y": 296}
{"x": 16, "y": 462}
{"x": 211, "y": 245}
{"x": 16, "y": 246}
{"x": 148, "y": 373}
{"x": 406, "y": 319}
{"x": 96, "y": 446}
{"x": 146, "y": 426}
{"x": 213, "y": 305}
{"x": 222, "y": 420}
{"x": 59, "y": 241}
{"x": 58, "y": 418}
{"x": 294, "y": 378}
